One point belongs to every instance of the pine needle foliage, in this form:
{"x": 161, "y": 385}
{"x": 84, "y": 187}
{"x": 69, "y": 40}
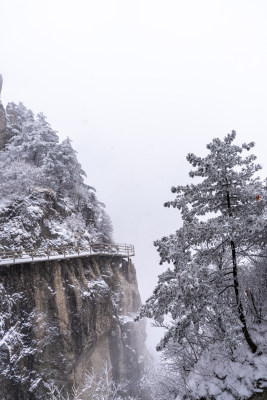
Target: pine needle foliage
{"x": 205, "y": 297}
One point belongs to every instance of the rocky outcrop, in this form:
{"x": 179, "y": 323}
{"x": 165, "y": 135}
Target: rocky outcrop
{"x": 2, "y": 120}
{"x": 60, "y": 319}
{"x": 2, "y": 126}
{"x": 40, "y": 219}
{"x": 260, "y": 396}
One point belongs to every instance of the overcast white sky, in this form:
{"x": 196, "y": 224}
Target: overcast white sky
{"x": 137, "y": 85}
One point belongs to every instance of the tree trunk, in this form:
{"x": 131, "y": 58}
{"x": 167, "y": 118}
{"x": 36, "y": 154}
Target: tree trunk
{"x": 240, "y": 308}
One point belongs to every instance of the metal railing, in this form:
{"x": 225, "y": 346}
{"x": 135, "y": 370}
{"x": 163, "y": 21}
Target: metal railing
{"x": 55, "y": 253}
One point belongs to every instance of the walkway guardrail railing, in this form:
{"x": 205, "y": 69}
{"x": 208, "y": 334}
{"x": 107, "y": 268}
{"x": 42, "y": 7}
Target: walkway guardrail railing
{"x": 18, "y": 256}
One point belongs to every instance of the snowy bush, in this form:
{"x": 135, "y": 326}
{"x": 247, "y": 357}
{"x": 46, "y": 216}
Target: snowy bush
{"x": 97, "y": 386}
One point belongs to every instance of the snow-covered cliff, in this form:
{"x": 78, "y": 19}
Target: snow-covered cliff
{"x": 59, "y": 320}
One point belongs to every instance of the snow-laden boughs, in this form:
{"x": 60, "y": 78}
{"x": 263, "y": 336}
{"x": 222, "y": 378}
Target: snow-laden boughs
{"x": 34, "y": 167}
{"x": 212, "y": 295}
{"x": 97, "y": 386}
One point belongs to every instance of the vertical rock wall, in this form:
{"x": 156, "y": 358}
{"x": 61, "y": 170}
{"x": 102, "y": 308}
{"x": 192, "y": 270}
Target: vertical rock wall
{"x": 2, "y": 126}
{"x": 63, "y": 318}
{"x": 2, "y": 119}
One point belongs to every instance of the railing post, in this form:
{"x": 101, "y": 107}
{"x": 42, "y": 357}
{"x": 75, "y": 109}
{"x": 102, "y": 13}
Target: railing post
{"x": 90, "y": 248}
{"x": 14, "y": 257}
{"x": 78, "y": 250}
{"x": 48, "y": 253}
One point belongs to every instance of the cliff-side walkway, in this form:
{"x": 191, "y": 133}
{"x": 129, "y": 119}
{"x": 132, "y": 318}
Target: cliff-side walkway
{"x": 20, "y": 256}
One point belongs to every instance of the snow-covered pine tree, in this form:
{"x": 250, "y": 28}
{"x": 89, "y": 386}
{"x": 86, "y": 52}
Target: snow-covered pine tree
{"x": 35, "y": 165}
{"x": 62, "y": 169}
{"x": 204, "y": 298}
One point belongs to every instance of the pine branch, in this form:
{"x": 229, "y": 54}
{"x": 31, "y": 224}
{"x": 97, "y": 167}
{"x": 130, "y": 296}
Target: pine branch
{"x": 227, "y": 287}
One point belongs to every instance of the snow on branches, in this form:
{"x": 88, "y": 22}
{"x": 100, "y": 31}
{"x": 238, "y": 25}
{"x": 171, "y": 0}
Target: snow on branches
{"x": 210, "y": 297}
{"x": 33, "y": 165}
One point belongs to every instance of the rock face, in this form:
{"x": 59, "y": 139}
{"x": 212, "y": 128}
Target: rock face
{"x": 60, "y": 319}
{"x": 2, "y": 126}
{"x": 260, "y": 396}
{"x": 2, "y": 119}
{"x": 38, "y": 219}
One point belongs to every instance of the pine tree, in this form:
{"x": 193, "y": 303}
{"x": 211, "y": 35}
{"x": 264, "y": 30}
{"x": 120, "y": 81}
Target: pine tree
{"x": 62, "y": 169}
{"x": 204, "y": 294}
{"x": 34, "y": 161}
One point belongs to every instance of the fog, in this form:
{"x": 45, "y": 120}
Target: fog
{"x": 137, "y": 85}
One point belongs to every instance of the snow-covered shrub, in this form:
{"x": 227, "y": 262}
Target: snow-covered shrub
{"x": 97, "y": 386}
